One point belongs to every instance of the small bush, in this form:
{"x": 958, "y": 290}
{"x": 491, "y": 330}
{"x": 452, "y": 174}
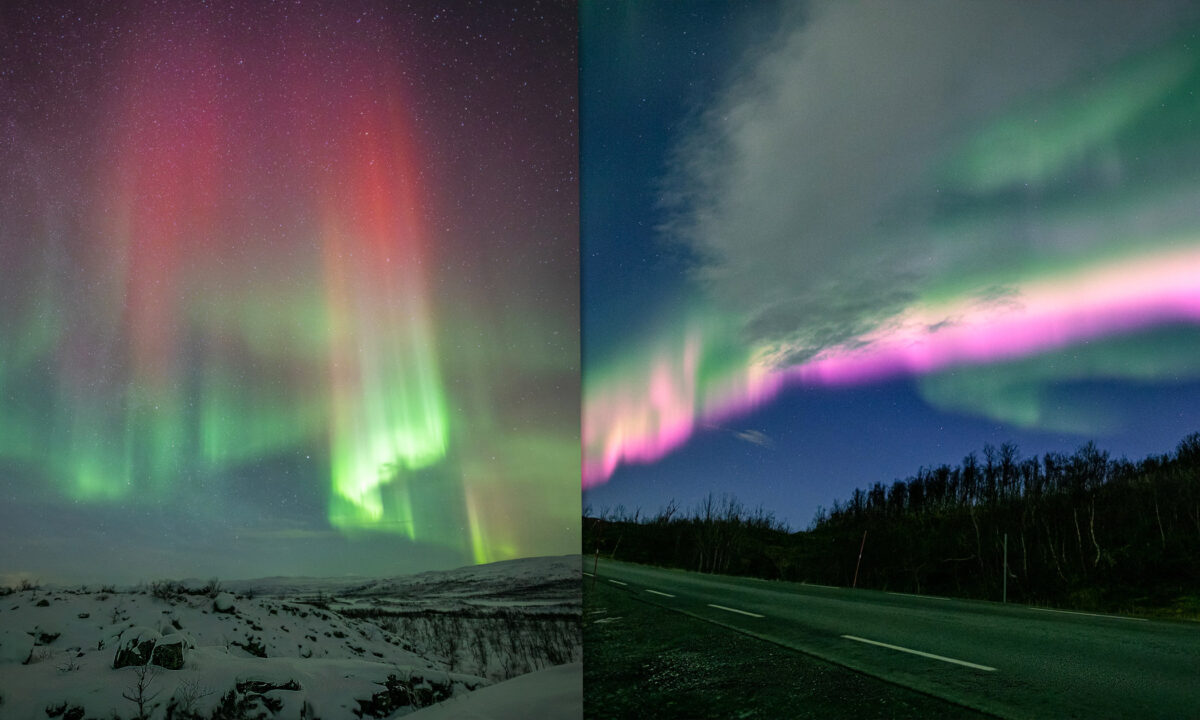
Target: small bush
{"x": 167, "y": 590}
{"x": 64, "y": 711}
{"x": 252, "y": 646}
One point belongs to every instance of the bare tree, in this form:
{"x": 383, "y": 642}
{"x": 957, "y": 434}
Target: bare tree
{"x": 450, "y": 643}
{"x": 479, "y": 650}
{"x": 139, "y": 693}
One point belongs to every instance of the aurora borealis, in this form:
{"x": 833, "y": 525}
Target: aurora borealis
{"x": 294, "y": 288}
{"x": 288, "y": 289}
{"x": 1035, "y": 318}
{"x": 944, "y": 225}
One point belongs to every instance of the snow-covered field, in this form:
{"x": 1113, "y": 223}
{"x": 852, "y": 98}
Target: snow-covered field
{"x": 299, "y": 648}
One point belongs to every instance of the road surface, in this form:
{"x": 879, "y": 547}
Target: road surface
{"x": 1014, "y": 661}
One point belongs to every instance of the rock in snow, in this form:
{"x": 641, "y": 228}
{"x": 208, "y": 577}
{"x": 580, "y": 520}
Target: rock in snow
{"x": 136, "y": 647}
{"x": 223, "y": 603}
{"x": 15, "y": 646}
{"x": 169, "y": 652}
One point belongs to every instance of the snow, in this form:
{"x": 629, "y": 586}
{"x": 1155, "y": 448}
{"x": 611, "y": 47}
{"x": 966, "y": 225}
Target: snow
{"x": 333, "y": 644}
{"x": 15, "y": 646}
{"x": 515, "y": 579}
{"x": 556, "y": 692}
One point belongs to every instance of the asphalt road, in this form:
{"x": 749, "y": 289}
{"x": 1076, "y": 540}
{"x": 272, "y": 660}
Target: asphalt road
{"x": 1013, "y": 661}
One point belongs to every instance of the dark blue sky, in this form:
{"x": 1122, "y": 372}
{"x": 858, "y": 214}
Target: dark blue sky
{"x": 646, "y": 69}
{"x": 826, "y": 442}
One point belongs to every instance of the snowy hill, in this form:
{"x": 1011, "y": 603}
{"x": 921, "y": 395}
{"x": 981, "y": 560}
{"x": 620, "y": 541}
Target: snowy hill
{"x": 285, "y": 647}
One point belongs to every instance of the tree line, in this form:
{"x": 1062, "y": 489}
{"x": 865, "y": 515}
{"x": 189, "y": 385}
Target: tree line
{"x": 1083, "y": 530}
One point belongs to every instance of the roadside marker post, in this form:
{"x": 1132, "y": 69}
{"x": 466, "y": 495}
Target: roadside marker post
{"x": 1004, "y": 584}
{"x": 859, "y": 563}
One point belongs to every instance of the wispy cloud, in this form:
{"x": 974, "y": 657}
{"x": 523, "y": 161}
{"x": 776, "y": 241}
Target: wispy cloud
{"x": 756, "y": 437}
{"x": 808, "y": 188}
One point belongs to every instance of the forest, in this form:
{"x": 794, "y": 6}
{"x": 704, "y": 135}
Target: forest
{"x": 1083, "y": 531}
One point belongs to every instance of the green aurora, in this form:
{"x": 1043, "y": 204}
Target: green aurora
{"x": 262, "y": 291}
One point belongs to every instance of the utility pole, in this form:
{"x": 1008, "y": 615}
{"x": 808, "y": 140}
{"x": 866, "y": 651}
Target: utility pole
{"x": 1004, "y": 584}
{"x": 597, "y": 541}
{"x": 859, "y": 563}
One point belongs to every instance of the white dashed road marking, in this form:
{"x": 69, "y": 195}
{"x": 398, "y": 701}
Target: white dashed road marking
{"x": 659, "y": 593}
{"x": 943, "y": 658}
{"x": 1073, "y": 612}
{"x": 926, "y": 597}
{"x": 735, "y": 610}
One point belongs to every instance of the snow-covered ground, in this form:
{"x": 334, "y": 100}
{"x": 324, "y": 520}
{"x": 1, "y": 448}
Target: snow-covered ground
{"x": 556, "y": 692}
{"x": 292, "y": 648}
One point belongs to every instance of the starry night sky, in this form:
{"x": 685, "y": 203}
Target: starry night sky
{"x": 826, "y": 244}
{"x": 287, "y": 288}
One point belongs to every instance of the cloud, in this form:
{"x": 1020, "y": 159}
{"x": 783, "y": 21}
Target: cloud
{"x": 809, "y": 187}
{"x": 756, "y": 437}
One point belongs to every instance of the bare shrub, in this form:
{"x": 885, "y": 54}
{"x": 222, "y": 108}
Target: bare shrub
{"x": 167, "y": 590}
{"x": 70, "y": 663}
{"x": 139, "y": 693}
{"x": 187, "y": 694}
